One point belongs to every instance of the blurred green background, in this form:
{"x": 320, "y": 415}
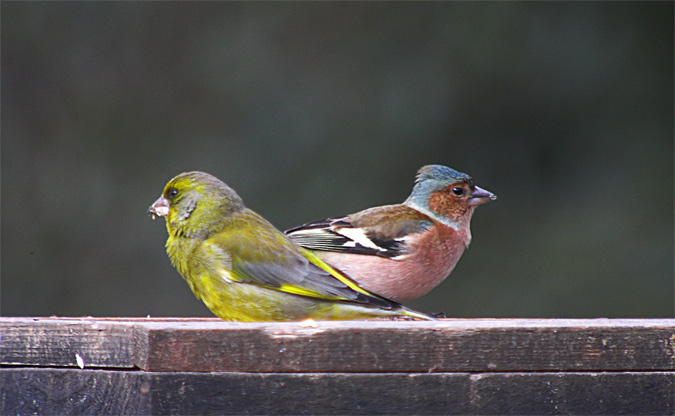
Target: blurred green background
{"x": 308, "y": 110}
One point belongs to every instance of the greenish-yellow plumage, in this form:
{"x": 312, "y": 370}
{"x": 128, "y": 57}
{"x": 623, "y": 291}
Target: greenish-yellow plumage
{"x": 244, "y": 269}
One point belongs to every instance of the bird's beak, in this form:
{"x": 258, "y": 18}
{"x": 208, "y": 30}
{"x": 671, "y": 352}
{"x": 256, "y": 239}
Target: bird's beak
{"x": 481, "y": 196}
{"x": 160, "y": 208}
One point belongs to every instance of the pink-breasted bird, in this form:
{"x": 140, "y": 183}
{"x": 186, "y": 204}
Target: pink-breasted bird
{"x": 401, "y": 251}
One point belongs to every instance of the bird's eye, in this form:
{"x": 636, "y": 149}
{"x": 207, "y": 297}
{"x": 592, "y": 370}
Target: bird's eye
{"x": 458, "y": 191}
{"x": 172, "y": 192}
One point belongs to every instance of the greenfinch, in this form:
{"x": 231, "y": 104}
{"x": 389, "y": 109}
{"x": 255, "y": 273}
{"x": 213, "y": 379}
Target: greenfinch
{"x": 244, "y": 269}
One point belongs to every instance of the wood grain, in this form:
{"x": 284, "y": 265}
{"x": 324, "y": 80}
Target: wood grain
{"x": 205, "y": 345}
{"x": 75, "y": 391}
{"x": 418, "y": 347}
{"x": 58, "y": 391}
{"x": 451, "y": 366}
{"x": 55, "y": 342}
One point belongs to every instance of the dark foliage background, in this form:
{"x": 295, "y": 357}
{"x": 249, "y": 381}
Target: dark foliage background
{"x": 565, "y": 110}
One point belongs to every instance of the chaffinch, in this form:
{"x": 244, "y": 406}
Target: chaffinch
{"x": 244, "y": 269}
{"x": 401, "y": 251}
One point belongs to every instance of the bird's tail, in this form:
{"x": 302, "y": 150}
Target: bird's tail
{"x": 411, "y": 313}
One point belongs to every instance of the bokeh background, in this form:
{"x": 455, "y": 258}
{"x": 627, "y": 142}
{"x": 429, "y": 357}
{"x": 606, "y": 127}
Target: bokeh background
{"x": 564, "y": 110}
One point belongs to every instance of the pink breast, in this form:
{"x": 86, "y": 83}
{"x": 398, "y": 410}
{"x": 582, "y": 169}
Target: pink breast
{"x": 432, "y": 258}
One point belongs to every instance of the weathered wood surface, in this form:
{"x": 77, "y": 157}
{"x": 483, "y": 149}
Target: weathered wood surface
{"x": 453, "y": 366}
{"x": 55, "y": 341}
{"x": 75, "y": 391}
{"x": 205, "y": 345}
{"x": 386, "y": 346}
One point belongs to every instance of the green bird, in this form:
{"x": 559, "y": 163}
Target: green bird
{"x": 244, "y": 269}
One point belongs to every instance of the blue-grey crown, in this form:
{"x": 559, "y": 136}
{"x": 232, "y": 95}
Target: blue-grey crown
{"x": 432, "y": 178}
{"x": 440, "y": 173}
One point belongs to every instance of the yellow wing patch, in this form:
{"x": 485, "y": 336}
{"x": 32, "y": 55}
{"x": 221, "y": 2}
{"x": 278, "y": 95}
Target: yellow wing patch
{"x": 336, "y": 274}
{"x": 304, "y": 292}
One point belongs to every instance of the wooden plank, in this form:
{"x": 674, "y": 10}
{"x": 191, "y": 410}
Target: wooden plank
{"x": 295, "y": 394}
{"x": 59, "y": 391}
{"x": 162, "y": 344}
{"x": 402, "y": 346}
{"x": 616, "y": 393}
{"x": 55, "y": 341}
{"x": 58, "y": 342}
{"x": 75, "y": 391}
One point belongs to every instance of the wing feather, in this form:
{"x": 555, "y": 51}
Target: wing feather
{"x": 380, "y": 231}
{"x": 272, "y": 261}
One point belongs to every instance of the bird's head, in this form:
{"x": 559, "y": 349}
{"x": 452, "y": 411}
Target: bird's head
{"x": 196, "y": 204}
{"x": 446, "y": 195}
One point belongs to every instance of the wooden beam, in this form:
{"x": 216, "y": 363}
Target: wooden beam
{"x": 450, "y": 366}
{"x": 75, "y": 391}
{"x": 58, "y": 342}
{"x": 205, "y": 345}
{"x": 417, "y": 347}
